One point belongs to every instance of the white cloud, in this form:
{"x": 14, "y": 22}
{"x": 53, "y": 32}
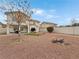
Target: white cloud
{"x": 45, "y": 14}
{"x": 38, "y": 11}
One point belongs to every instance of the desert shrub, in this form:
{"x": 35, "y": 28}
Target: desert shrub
{"x": 50, "y": 29}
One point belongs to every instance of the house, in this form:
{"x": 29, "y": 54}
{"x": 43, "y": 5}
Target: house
{"x": 27, "y": 23}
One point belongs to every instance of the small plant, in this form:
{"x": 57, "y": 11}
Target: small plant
{"x": 50, "y": 29}
{"x": 33, "y": 34}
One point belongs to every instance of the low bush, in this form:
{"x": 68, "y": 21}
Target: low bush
{"x": 50, "y": 29}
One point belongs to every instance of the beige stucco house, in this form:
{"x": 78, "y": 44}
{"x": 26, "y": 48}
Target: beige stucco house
{"x": 27, "y": 23}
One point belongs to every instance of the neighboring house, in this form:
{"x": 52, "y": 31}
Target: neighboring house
{"x": 45, "y": 25}
{"x": 27, "y": 24}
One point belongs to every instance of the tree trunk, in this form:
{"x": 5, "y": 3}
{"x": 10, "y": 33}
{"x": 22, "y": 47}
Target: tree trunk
{"x": 28, "y": 27}
{"x": 7, "y": 28}
{"x": 19, "y": 28}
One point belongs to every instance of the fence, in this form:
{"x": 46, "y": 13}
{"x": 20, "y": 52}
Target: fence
{"x": 67, "y": 30}
{"x": 64, "y": 30}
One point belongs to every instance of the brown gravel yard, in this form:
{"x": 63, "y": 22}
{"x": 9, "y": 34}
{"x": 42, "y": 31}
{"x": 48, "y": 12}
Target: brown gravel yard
{"x": 39, "y": 47}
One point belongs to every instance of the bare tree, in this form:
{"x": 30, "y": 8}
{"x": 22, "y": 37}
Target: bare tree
{"x": 20, "y": 17}
{"x": 73, "y": 21}
{"x": 22, "y": 7}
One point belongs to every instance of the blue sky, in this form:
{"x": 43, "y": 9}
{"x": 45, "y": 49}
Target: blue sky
{"x": 57, "y": 11}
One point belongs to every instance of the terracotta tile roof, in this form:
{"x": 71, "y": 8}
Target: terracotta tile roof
{"x": 48, "y": 23}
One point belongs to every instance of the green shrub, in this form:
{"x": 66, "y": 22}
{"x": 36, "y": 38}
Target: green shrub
{"x": 50, "y": 29}
{"x": 33, "y": 34}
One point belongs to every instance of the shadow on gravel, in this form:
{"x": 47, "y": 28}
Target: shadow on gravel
{"x": 67, "y": 44}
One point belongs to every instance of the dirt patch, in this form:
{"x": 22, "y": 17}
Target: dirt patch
{"x": 40, "y": 47}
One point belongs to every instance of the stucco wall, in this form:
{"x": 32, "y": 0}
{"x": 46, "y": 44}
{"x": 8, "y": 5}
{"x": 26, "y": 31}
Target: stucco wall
{"x": 43, "y": 30}
{"x": 67, "y": 30}
{"x": 2, "y": 30}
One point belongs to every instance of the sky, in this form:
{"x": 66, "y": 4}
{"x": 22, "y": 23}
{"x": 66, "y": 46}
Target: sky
{"x": 56, "y": 11}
